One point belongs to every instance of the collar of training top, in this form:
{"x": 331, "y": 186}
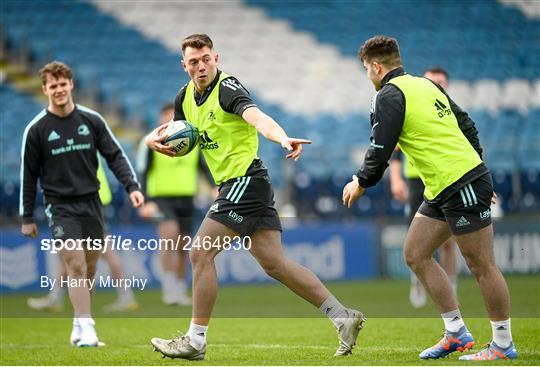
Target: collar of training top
{"x": 392, "y": 74}
{"x": 200, "y": 98}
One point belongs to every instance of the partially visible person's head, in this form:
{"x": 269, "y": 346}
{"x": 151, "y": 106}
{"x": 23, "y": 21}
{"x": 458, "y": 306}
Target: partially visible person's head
{"x": 166, "y": 113}
{"x": 57, "y": 83}
{"x": 379, "y": 54}
{"x": 199, "y": 60}
{"x": 438, "y": 75}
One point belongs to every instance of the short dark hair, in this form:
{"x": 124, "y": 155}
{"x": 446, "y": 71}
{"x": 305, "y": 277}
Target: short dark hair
{"x": 198, "y": 41}
{"x": 166, "y": 106}
{"x": 438, "y": 70}
{"x": 57, "y": 69}
{"x": 383, "y": 49}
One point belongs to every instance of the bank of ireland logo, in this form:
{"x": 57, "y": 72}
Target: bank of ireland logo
{"x": 83, "y": 130}
{"x": 58, "y": 231}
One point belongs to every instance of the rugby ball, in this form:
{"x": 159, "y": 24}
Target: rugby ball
{"x": 182, "y": 136}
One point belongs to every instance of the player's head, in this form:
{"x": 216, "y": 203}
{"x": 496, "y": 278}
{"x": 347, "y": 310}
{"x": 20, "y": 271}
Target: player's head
{"x": 438, "y": 75}
{"x": 166, "y": 113}
{"x": 379, "y": 54}
{"x": 199, "y": 60}
{"x": 57, "y": 83}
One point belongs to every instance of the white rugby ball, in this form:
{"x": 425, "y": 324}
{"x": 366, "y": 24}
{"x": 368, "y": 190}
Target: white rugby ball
{"x": 182, "y": 136}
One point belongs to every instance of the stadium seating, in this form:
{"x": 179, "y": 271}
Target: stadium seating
{"x": 17, "y": 111}
{"x": 299, "y": 64}
{"x": 438, "y": 33}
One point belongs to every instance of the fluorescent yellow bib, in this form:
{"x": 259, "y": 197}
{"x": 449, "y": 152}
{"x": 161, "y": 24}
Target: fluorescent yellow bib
{"x": 229, "y": 144}
{"x": 431, "y": 138}
{"x": 173, "y": 176}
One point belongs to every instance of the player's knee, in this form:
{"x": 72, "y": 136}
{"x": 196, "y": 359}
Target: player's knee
{"x": 411, "y": 258}
{"x": 90, "y": 271}
{"x": 273, "y": 269}
{"x": 199, "y": 258}
{"x": 478, "y": 266}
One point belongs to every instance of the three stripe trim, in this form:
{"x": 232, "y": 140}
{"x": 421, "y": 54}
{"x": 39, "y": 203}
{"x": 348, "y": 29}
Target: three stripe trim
{"x": 468, "y": 196}
{"x": 238, "y": 189}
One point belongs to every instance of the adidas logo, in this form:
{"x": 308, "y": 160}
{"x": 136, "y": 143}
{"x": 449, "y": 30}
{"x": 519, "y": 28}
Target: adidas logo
{"x": 462, "y": 222}
{"x": 205, "y": 138}
{"x": 456, "y": 318}
{"x": 442, "y": 109}
{"x": 206, "y": 142}
{"x": 53, "y": 136}
{"x": 501, "y": 328}
{"x": 231, "y": 84}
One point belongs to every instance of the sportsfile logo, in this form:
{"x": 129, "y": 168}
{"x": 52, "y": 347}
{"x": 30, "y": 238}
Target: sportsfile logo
{"x": 206, "y": 142}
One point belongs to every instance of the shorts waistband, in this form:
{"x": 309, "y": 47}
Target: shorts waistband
{"x": 256, "y": 169}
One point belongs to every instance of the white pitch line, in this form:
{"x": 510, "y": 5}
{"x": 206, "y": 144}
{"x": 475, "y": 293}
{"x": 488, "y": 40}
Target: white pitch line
{"x": 224, "y": 345}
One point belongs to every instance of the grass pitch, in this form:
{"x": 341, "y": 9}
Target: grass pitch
{"x": 263, "y": 325}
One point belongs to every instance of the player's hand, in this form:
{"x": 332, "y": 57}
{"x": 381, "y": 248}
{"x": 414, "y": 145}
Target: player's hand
{"x": 148, "y": 210}
{"x": 137, "y": 198}
{"x": 154, "y": 140}
{"x": 294, "y": 146}
{"x": 352, "y": 191}
{"x": 399, "y": 189}
{"x": 30, "y": 230}
{"x": 494, "y": 198}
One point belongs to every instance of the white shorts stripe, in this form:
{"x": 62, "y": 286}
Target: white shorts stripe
{"x": 243, "y": 190}
{"x": 231, "y": 191}
{"x": 238, "y": 189}
{"x": 463, "y": 198}
{"x": 468, "y": 195}
{"x": 473, "y": 194}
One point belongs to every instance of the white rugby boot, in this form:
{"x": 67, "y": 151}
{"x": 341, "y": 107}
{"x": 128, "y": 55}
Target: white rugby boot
{"x": 76, "y": 332}
{"x": 178, "y": 347}
{"x": 348, "y": 331}
{"x": 88, "y": 334}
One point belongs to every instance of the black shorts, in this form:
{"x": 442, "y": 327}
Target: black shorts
{"x": 246, "y": 204}
{"x": 415, "y": 187}
{"x": 467, "y": 210}
{"x": 181, "y": 209}
{"x": 76, "y": 220}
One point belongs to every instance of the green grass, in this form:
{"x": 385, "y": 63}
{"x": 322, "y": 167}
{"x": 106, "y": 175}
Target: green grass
{"x": 264, "y": 326}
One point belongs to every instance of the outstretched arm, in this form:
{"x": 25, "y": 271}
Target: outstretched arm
{"x": 271, "y": 130}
